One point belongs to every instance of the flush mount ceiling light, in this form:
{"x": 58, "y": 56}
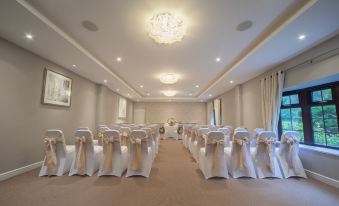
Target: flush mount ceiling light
{"x": 29, "y": 36}
{"x": 301, "y": 36}
{"x": 169, "y": 93}
{"x": 166, "y": 27}
{"x": 168, "y": 78}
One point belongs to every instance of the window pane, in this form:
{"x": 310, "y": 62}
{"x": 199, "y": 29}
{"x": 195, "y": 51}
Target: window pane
{"x": 317, "y": 112}
{"x": 294, "y": 99}
{"x": 296, "y": 112}
{"x": 285, "y": 114}
{"x": 331, "y": 125}
{"x": 319, "y": 138}
{"x": 286, "y": 125}
{"x": 286, "y": 100}
{"x": 316, "y": 96}
{"x": 327, "y": 94}
{"x": 297, "y": 124}
{"x": 332, "y": 140}
{"x": 318, "y": 125}
{"x": 330, "y": 111}
{"x": 301, "y": 133}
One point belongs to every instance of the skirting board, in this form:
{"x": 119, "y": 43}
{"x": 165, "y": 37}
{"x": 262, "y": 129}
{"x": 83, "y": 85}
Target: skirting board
{"x": 322, "y": 178}
{"x": 12, "y": 173}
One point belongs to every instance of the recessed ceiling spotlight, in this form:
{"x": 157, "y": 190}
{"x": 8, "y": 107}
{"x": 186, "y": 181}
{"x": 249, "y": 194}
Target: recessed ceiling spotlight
{"x": 29, "y": 36}
{"x": 217, "y": 59}
{"x": 119, "y": 59}
{"x": 74, "y": 65}
{"x": 190, "y": 94}
{"x": 141, "y": 86}
{"x": 168, "y": 78}
{"x": 197, "y": 86}
{"x": 105, "y": 81}
{"x": 148, "y": 94}
{"x": 301, "y": 36}
{"x": 245, "y": 25}
{"x": 118, "y": 89}
{"x": 90, "y": 26}
{"x": 128, "y": 94}
{"x": 169, "y": 93}
{"x": 210, "y": 95}
{"x": 231, "y": 81}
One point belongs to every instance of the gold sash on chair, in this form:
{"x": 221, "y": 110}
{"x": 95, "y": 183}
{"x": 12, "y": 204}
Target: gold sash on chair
{"x": 80, "y": 161}
{"x": 137, "y": 155}
{"x": 269, "y": 153}
{"x": 216, "y": 156}
{"x": 292, "y": 161}
{"x": 123, "y": 138}
{"x": 108, "y": 153}
{"x": 243, "y": 153}
{"x": 51, "y": 158}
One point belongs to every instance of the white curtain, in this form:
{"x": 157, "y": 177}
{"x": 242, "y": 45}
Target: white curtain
{"x": 271, "y": 92}
{"x": 217, "y": 111}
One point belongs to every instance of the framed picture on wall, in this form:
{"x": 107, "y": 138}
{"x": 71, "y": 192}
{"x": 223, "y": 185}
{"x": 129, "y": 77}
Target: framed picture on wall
{"x": 57, "y": 89}
{"x": 122, "y": 107}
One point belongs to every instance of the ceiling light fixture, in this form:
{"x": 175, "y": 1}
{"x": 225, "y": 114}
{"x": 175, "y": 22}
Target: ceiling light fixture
{"x": 168, "y": 78}
{"x": 190, "y": 94}
{"x": 29, "y": 36}
{"x": 118, "y": 90}
{"x": 119, "y": 59}
{"x": 217, "y": 59}
{"x": 148, "y": 94}
{"x": 302, "y": 36}
{"x": 210, "y": 95}
{"x": 197, "y": 86}
{"x": 166, "y": 27}
{"x": 105, "y": 81}
{"x": 74, "y": 65}
{"x": 231, "y": 81}
{"x": 141, "y": 86}
{"x": 169, "y": 93}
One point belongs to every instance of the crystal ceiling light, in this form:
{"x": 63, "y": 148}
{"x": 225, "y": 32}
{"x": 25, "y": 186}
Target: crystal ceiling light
{"x": 169, "y": 93}
{"x": 166, "y": 27}
{"x": 168, "y": 78}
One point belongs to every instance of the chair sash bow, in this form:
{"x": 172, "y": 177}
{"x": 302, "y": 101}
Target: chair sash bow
{"x": 216, "y": 143}
{"x": 293, "y": 155}
{"x": 50, "y": 150}
{"x": 123, "y": 138}
{"x": 243, "y": 157}
{"x": 269, "y": 153}
{"x": 137, "y": 156}
{"x": 80, "y": 161}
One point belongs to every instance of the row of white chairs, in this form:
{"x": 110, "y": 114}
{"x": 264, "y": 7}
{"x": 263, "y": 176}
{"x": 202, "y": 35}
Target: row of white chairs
{"x": 220, "y": 152}
{"x": 112, "y": 157}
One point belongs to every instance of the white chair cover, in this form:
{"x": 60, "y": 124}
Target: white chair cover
{"x": 87, "y": 155}
{"x": 101, "y": 130}
{"x": 58, "y": 156}
{"x": 83, "y": 128}
{"x": 187, "y": 134}
{"x": 140, "y": 155}
{"x": 199, "y": 142}
{"x": 265, "y": 159}
{"x": 238, "y": 158}
{"x": 115, "y": 156}
{"x": 288, "y": 155}
{"x": 192, "y": 138}
{"x": 212, "y": 161}
{"x": 227, "y": 136}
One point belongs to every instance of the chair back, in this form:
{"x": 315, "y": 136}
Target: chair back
{"x": 288, "y": 139}
{"x": 113, "y": 137}
{"x": 241, "y": 129}
{"x": 85, "y": 133}
{"x": 214, "y": 137}
{"x": 125, "y": 131}
{"x": 241, "y": 135}
{"x": 83, "y": 128}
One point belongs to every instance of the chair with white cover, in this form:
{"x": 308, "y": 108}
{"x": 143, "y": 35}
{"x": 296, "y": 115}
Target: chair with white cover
{"x": 87, "y": 155}
{"x": 238, "y": 129}
{"x": 124, "y": 133}
{"x": 255, "y": 136}
{"x": 192, "y": 138}
{"x": 151, "y": 141}
{"x": 227, "y": 136}
{"x": 265, "y": 160}
{"x": 238, "y": 157}
{"x": 115, "y": 156}
{"x": 199, "y": 142}
{"x": 58, "y": 156}
{"x": 83, "y": 128}
{"x": 140, "y": 154}
{"x": 212, "y": 161}
{"x": 187, "y": 134}
{"x": 288, "y": 155}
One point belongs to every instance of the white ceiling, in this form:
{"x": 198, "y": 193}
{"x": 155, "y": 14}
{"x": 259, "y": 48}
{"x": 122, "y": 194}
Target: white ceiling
{"x": 60, "y": 37}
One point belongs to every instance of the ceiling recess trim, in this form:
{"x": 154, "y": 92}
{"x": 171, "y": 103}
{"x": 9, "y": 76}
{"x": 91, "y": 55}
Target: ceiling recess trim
{"x": 270, "y": 32}
{"x": 68, "y": 38}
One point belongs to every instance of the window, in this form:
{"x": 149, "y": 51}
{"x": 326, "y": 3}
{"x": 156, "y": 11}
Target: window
{"x": 313, "y": 112}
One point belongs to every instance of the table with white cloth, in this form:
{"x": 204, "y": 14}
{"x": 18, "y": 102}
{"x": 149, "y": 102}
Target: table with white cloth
{"x": 171, "y": 131}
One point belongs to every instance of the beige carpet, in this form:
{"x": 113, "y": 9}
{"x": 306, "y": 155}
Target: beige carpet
{"x": 175, "y": 180}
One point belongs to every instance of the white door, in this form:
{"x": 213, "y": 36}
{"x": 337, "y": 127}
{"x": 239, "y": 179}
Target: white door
{"x": 139, "y": 116}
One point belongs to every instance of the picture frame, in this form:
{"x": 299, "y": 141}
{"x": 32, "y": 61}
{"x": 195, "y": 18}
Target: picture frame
{"x": 122, "y": 112}
{"x": 57, "y": 89}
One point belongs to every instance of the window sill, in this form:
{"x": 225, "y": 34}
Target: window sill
{"x": 323, "y": 150}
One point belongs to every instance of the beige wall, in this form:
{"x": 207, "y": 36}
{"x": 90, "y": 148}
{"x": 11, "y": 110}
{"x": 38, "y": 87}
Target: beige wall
{"x": 108, "y": 107}
{"x": 158, "y": 112}
{"x": 24, "y": 119}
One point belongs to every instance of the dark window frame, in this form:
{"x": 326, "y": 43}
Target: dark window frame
{"x": 305, "y": 102}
